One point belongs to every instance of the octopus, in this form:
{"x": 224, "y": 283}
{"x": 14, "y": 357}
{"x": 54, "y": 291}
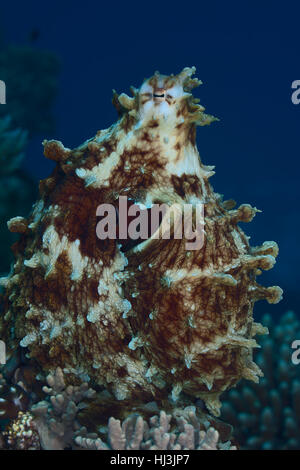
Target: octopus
{"x": 148, "y": 318}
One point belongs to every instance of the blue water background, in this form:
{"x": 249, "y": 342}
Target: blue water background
{"x": 247, "y": 55}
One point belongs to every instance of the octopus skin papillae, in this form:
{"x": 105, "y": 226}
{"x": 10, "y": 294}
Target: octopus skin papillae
{"x": 150, "y": 320}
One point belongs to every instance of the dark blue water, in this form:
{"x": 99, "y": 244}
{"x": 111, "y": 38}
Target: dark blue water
{"x": 246, "y": 54}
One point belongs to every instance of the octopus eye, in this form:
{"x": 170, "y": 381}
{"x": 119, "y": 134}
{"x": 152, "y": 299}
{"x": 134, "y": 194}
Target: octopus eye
{"x": 159, "y": 93}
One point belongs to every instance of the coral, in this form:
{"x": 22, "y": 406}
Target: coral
{"x": 136, "y": 434}
{"x": 267, "y": 415}
{"x": 31, "y": 86}
{"x": 55, "y": 420}
{"x": 55, "y": 424}
{"x": 145, "y": 319}
{"x": 22, "y": 433}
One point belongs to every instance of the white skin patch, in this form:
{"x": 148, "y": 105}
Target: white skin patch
{"x": 164, "y": 110}
{"x": 166, "y": 115}
{"x": 110, "y": 293}
{"x": 53, "y": 247}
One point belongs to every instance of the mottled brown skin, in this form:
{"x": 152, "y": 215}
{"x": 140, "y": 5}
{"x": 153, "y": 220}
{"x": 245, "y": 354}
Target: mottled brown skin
{"x": 198, "y": 338}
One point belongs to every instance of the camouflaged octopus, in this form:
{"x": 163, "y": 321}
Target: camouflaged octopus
{"x": 150, "y": 319}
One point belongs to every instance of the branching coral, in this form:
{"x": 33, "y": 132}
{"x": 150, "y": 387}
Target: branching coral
{"x": 55, "y": 420}
{"x": 135, "y": 433}
{"x": 267, "y": 415}
{"x": 53, "y": 424}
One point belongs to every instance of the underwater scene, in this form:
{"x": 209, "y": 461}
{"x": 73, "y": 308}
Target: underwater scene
{"x": 149, "y": 228}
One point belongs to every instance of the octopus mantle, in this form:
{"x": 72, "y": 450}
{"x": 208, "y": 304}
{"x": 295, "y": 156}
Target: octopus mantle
{"x": 149, "y": 320}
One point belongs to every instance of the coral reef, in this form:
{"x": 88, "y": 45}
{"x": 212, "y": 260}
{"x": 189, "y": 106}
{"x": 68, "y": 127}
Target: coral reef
{"x": 150, "y": 320}
{"x": 136, "y": 434}
{"x": 267, "y": 415}
{"x": 55, "y": 420}
{"x": 55, "y": 424}
{"x": 22, "y": 433}
{"x": 49, "y": 424}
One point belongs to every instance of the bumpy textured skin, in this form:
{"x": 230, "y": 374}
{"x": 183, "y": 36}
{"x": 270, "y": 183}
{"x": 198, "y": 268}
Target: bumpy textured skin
{"x": 151, "y": 320}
